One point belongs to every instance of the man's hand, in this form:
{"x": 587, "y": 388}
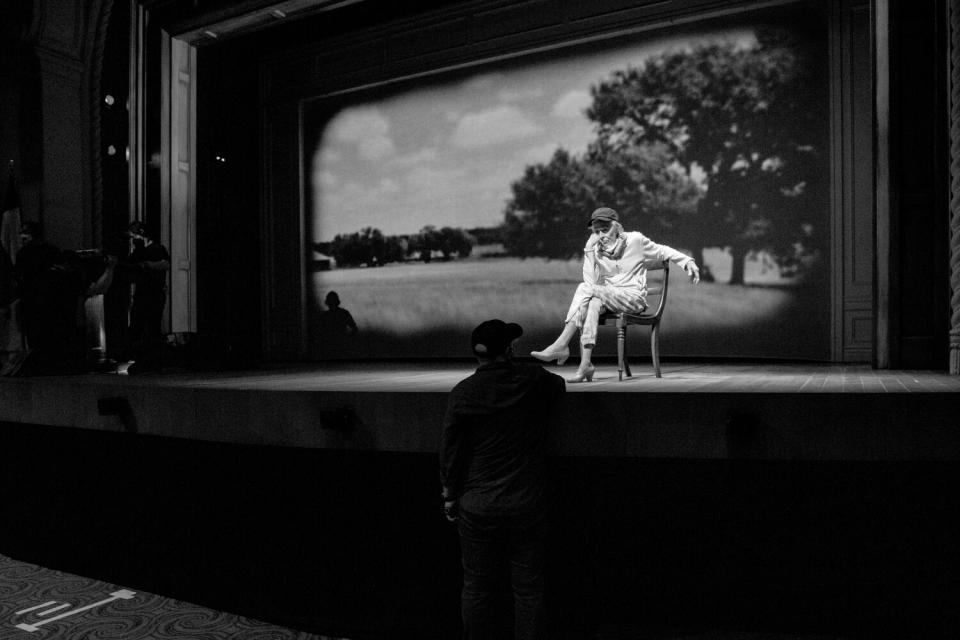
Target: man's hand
{"x": 451, "y": 509}
{"x": 592, "y": 242}
{"x": 692, "y": 270}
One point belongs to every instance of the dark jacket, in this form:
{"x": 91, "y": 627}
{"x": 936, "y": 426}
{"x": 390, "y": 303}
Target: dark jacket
{"x": 492, "y": 448}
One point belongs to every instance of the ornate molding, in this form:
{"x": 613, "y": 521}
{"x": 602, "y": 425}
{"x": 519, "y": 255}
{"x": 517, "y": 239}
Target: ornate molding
{"x": 954, "y": 26}
{"x": 96, "y": 125}
{"x": 58, "y": 28}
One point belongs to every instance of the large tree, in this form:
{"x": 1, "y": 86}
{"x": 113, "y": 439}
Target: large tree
{"x": 550, "y": 206}
{"x": 650, "y": 190}
{"x": 456, "y": 242}
{"x": 551, "y": 203}
{"x": 749, "y": 121}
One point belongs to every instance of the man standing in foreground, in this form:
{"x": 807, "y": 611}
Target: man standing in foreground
{"x": 492, "y": 466}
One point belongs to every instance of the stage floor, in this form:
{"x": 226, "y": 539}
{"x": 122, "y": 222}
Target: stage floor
{"x": 699, "y": 410}
{"x": 440, "y": 377}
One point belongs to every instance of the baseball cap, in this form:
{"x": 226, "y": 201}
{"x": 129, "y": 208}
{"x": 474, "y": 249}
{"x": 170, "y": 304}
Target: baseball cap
{"x": 492, "y": 337}
{"x": 603, "y": 213}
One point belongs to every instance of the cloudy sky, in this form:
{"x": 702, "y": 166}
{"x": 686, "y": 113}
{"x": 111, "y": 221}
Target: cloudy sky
{"x": 445, "y": 153}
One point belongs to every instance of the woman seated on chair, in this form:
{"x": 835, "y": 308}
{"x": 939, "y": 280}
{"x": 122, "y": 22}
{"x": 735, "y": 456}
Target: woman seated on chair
{"x": 614, "y": 280}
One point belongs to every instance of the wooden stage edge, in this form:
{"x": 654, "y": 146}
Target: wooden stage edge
{"x": 760, "y": 411}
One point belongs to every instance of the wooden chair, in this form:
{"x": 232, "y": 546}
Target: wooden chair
{"x": 650, "y": 317}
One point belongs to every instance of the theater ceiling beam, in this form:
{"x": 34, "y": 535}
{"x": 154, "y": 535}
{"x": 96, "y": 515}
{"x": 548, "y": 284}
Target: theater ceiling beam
{"x": 224, "y": 19}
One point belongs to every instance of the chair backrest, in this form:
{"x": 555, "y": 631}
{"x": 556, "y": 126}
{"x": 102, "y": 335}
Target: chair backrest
{"x": 664, "y": 267}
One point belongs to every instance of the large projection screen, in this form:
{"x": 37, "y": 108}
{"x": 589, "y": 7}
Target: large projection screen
{"x": 436, "y": 203}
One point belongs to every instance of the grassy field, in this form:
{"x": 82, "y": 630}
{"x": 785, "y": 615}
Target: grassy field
{"x": 428, "y": 310}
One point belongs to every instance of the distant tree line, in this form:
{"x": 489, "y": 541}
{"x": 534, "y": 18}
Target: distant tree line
{"x": 371, "y": 248}
{"x": 717, "y": 145}
{"x": 487, "y": 235}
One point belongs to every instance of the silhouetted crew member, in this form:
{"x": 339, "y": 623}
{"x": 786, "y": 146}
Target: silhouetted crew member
{"x": 36, "y": 278}
{"x": 336, "y": 320}
{"x": 492, "y": 466}
{"x": 149, "y": 263}
{"x": 337, "y": 327}
{"x": 9, "y": 288}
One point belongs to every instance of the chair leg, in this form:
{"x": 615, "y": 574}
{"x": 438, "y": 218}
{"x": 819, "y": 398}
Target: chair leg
{"x": 626, "y": 358}
{"x": 621, "y": 340}
{"x": 655, "y": 347}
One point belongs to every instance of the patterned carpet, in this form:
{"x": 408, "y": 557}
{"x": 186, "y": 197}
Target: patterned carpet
{"x": 40, "y": 603}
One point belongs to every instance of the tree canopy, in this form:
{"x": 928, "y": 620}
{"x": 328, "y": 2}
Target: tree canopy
{"x": 713, "y": 145}
{"x": 546, "y": 216}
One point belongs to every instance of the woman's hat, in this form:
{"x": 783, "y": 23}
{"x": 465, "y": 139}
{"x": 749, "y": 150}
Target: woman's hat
{"x": 603, "y": 213}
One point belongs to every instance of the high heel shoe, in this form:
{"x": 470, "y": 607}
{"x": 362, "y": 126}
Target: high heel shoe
{"x": 585, "y": 376}
{"x": 560, "y": 354}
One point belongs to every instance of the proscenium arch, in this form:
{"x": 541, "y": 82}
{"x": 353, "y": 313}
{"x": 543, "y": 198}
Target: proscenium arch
{"x": 286, "y": 92}
{"x": 853, "y": 311}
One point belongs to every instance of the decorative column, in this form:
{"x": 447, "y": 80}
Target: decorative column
{"x": 954, "y": 23}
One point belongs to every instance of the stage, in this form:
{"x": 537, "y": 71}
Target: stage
{"x": 696, "y": 410}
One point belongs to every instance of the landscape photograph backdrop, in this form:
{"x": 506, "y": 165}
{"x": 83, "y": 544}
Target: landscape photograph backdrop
{"x": 434, "y": 204}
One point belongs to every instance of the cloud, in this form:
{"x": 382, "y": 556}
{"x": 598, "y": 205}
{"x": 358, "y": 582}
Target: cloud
{"x": 417, "y": 158}
{"x": 424, "y": 196}
{"x": 518, "y": 95}
{"x": 493, "y": 126}
{"x": 572, "y": 104}
{"x": 325, "y": 180}
{"x": 467, "y": 193}
{"x": 425, "y": 179}
{"x": 472, "y": 194}
{"x": 493, "y": 180}
{"x": 353, "y": 125}
{"x": 366, "y": 128}
{"x": 539, "y": 154}
{"x": 325, "y": 155}
{"x": 388, "y": 185}
{"x": 328, "y": 155}
{"x": 375, "y": 147}
{"x": 483, "y": 82}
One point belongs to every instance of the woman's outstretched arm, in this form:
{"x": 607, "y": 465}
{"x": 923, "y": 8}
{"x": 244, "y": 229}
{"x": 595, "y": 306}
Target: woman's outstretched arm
{"x": 654, "y": 251}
